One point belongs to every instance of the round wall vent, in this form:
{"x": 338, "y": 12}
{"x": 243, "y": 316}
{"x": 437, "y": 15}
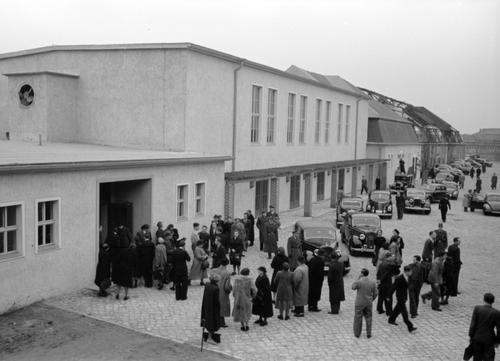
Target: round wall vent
{"x": 26, "y": 95}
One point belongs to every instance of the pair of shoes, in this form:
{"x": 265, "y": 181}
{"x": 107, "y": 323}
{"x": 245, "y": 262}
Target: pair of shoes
{"x": 443, "y": 302}
{"x": 413, "y": 316}
{"x": 258, "y": 321}
{"x": 263, "y": 323}
{"x": 287, "y": 318}
{"x": 314, "y": 310}
{"x": 126, "y": 298}
{"x": 368, "y": 336}
{"x": 280, "y": 317}
{"x": 233, "y": 274}
{"x": 410, "y": 330}
{"x": 357, "y": 336}
{"x": 246, "y": 328}
{"x": 299, "y": 315}
{"x": 423, "y": 299}
{"x": 333, "y": 313}
{"x": 437, "y": 309}
{"x": 393, "y": 323}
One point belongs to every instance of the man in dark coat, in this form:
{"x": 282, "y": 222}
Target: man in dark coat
{"x": 384, "y": 281}
{"x": 415, "y": 285}
{"x": 441, "y": 241}
{"x": 483, "y": 337}
{"x": 145, "y": 255}
{"x": 316, "y": 277}
{"x": 478, "y": 172}
{"x": 454, "y": 254}
{"x": 400, "y": 204}
{"x": 210, "y": 309}
{"x": 261, "y": 226}
{"x": 494, "y": 180}
{"x": 400, "y": 287}
{"x": 377, "y": 183}
{"x": 103, "y": 270}
{"x": 479, "y": 183}
{"x": 122, "y": 259}
{"x": 219, "y": 253}
{"x": 378, "y": 242}
{"x": 205, "y": 237}
{"x": 444, "y": 205}
{"x": 336, "y": 284}
{"x": 250, "y": 227}
{"x": 262, "y": 303}
{"x": 180, "y": 258}
{"x": 427, "y": 254}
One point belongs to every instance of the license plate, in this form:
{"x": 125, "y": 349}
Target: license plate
{"x": 378, "y": 211}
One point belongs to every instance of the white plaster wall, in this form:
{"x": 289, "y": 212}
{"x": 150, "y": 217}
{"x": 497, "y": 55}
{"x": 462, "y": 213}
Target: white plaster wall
{"x": 391, "y": 152}
{"x": 244, "y": 199}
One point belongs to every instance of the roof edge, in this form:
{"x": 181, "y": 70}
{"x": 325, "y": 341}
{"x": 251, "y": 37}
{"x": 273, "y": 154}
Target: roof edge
{"x": 43, "y": 72}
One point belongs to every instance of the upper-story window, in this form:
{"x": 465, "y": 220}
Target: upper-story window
{"x": 303, "y": 119}
{"x": 291, "y": 119}
{"x": 327, "y": 121}
{"x": 256, "y": 113}
{"x": 347, "y": 122}
{"x": 317, "y": 123}
{"x": 339, "y": 123}
{"x": 182, "y": 201}
{"x": 271, "y": 115}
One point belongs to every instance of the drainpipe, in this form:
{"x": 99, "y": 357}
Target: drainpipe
{"x": 235, "y": 111}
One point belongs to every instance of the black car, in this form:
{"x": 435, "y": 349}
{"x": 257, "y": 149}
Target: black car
{"x": 416, "y": 200}
{"x": 348, "y": 205}
{"x": 476, "y": 202}
{"x": 435, "y": 192}
{"x": 380, "y": 203}
{"x": 402, "y": 182}
{"x": 359, "y": 232}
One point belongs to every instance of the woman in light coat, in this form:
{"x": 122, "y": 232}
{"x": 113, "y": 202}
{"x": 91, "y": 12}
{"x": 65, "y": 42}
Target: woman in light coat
{"x": 198, "y": 269}
{"x": 225, "y": 289}
{"x": 243, "y": 292}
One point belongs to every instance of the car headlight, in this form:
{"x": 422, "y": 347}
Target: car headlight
{"x": 368, "y": 207}
{"x": 344, "y": 214}
{"x": 389, "y": 208}
{"x": 486, "y": 206}
{"x": 362, "y": 236}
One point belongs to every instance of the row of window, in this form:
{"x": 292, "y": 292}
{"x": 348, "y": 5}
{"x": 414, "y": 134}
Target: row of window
{"x": 183, "y": 200}
{"x": 47, "y": 214}
{"x": 343, "y": 118}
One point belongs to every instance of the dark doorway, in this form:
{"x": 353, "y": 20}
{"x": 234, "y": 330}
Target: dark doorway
{"x": 341, "y": 179}
{"x": 320, "y": 186}
{"x": 294, "y": 191}
{"x": 261, "y": 196}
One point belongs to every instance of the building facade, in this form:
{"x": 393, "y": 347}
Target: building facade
{"x": 485, "y": 143}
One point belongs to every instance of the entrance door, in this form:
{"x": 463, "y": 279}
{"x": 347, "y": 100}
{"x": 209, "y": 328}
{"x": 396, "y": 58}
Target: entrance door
{"x": 261, "y": 196}
{"x": 294, "y": 191}
{"x": 370, "y": 177}
{"x": 320, "y": 186}
{"x": 341, "y": 178}
{"x": 383, "y": 176}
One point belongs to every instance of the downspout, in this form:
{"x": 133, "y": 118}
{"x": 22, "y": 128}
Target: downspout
{"x": 235, "y": 111}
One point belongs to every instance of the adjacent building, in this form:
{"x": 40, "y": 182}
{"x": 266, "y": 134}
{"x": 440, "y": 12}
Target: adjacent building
{"x": 485, "y": 143}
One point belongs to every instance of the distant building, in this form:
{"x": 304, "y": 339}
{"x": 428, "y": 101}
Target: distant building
{"x": 485, "y": 143}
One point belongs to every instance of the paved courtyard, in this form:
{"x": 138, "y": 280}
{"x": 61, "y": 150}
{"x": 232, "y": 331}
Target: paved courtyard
{"x": 320, "y": 336}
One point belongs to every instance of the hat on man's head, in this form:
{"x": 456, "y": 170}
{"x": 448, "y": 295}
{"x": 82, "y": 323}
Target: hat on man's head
{"x": 262, "y": 269}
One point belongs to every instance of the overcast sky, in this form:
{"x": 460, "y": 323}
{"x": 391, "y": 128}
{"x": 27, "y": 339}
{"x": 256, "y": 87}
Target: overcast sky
{"x": 444, "y": 55}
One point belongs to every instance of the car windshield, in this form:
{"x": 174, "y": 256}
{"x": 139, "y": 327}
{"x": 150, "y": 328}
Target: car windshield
{"x": 380, "y": 196}
{"x": 366, "y": 221}
{"x": 415, "y": 193}
{"x": 319, "y": 233}
{"x": 351, "y": 204}
{"x": 494, "y": 198}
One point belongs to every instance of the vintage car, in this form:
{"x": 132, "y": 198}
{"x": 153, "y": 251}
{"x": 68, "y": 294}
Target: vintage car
{"x": 491, "y": 203}
{"x": 348, "y": 205}
{"x": 451, "y": 189}
{"x": 443, "y": 176}
{"x": 359, "y": 232}
{"x": 476, "y": 202}
{"x": 435, "y": 192}
{"x": 321, "y": 235}
{"x": 402, "y": 182}
{"x": 416, "y": 200}
{"x": 380, "y": 203}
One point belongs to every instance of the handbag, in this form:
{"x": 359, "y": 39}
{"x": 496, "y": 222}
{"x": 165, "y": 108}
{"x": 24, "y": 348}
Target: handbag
{"x": 205, "y": 264}
{"x": 468, "y": 352}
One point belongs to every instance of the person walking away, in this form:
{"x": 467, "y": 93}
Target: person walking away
{"x": 484, "y": 330}
{"x": 435, "y": 278}
{"x": 277, "y": 265}
{"x": 243, "y": 292}
{"x": 210, "y": 309}
{"x": 378, "y": 243}
{"x": 377, "y": 183}
{"x": 261, "y": 226}
{"x": 219, "y": 253}
{"x": 461, "y": 180}
{"x": 200, "y": 264}
{"x": 366, "y": 293}
{"x": 454, "y": 253}
{"x": 284, "y": 291}
{"x": 225, "y": 289}
{"x": 122, "y": 260}
{"x": 160, "y": 263}
{"x": 195, "y": 236}
{"x": 294, "y": 248}
{"x": 250, "y": 227}
{"x": 416, "y": 282}
{"x": 364, "y": 185}
{"x": 300, "y": 287}
{"x": 479, "y": 184}
{"x": 427, "y": 254}
{"x": 103, "y": 270}
{"x": 444, "y": 205}
{"x": 262, "y": 302}
{"x": 316, "y": 276}
{"x": 336, "y": 284}
{"x": 447, "y": 280}
{"x": 441, "y": 242}
{"x": 205, "y": 238}
{"x": 478, "y": 172}
{"x": 400, "y": 204}
{"x": 180, "y": 258}
{"x": 235, "y": 252}
{"x": 385, "y": 273}
{"x": 146, "y": 254}
{"x": 494, "y": 180}
{"x": 467, "y": 200}
{"x": 400, "y": 287}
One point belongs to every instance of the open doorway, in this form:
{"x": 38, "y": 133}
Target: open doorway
{"x": 125, "y": 203}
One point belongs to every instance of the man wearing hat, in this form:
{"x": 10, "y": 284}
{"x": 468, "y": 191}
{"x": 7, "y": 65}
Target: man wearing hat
{"x": 316, "y": 275}
{"x": 180, "y": 258}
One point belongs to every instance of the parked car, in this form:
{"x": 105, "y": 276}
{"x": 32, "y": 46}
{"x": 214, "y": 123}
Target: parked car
{"x": 451, "y": 189}
{"x": 402, "y": 182}
{"x": 347, "y": 205}
{"x": 488, "y": 163}
{"x": 321, "y": 235}
{"x": 476, "y": 202}
{"x": 416, "y": 200}
{"x": 491, "y": 203}
{"x": 359, "y": 232}
{"x": 442, "y": 177}
{"x": 463, "y": 166}
{"x": 435, "y": 191}
{"x": 380, "y": 203}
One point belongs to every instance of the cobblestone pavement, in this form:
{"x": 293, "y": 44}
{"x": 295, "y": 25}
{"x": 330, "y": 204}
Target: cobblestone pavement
{"x": 440, "y": 336}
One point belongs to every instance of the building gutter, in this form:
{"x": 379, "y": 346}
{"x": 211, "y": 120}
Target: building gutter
{"x": 235, "y": 112}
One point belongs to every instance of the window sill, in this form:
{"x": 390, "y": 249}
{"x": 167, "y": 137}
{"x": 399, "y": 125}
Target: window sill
{"x": 47, "y": 248}
{"x": 11, "y": 256}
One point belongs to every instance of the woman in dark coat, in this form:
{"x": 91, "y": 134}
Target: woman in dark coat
{"x": 336, "y": 284}
{"x": 103, "y": 270}
{"x": 262, "y": 302}
{"x": 145, "y": 255}
{"x": 122, "y": 260}
{"x": 210, "y": 308}
{"x": 277, "y": 265}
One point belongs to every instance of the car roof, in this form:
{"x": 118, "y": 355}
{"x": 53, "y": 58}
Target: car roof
{"x": 352, "y": 199}
{"x": 312, "y": 223}
{"x": 416, "y": 189}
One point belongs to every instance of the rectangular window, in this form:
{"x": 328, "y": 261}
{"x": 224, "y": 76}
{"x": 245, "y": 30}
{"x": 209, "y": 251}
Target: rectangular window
{"x": 271, "y": 115}
{"x": 294, "y": 191}
{"x": 291, "y": 119}
{"x": 182, "y": 199}
{"x": 199, "y": 199}
{"x": 327, "y": 122}
{"x": 10, "y": 230}
{"x": 320, "y": 186}
{"x": 317, "y": 124}
{"x": 347, "y": 116}
{"x": 339, "y": 124}
{"x": 47, "y": 223}
{"x": 256, "y": 110}
{"x": 302, "y": 125}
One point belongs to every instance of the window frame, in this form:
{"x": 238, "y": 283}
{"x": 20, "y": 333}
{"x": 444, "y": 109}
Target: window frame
{"x": 57, "y": 244}
{"x": 255, "y": 118}
{"x": 328, "y": 115}
{"x": 271, "y": 118}
{"x": 20, "y": 248}
{"x": 317, "y": 122}
{"x": 202, "y": 198}
{"x": 290, "y": 125}
{"x": 347, "y": 122}
{"x": 340, "y": 111}
{"x": 302, "y": 119}
{"x": 185, "y": 217}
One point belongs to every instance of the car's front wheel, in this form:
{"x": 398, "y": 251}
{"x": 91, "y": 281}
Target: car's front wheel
{"x": 427, "y": 212}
